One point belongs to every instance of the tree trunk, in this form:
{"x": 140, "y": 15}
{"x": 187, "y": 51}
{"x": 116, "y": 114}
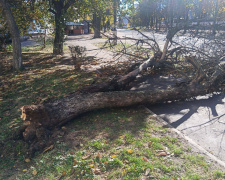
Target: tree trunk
{"x": 59, "y": 33}
{"x": 115, "y": 22}
{"x": 96, "y": 25}
{"x": 156, "y": 23}
{"x": 103, "y": 24}
{"x": 152, "y": 23}
{"x": 215, "y": 17}
{"x": 132, "y": 75}
{"x": 56, "y": 113}
{"x": 17, "y": 58}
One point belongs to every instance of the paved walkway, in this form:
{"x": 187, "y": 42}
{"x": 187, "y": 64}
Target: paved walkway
{"x": 202, "y": 119}
{"x": 97, "y": 57}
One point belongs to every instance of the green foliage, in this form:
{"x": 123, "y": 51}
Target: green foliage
{"x": 153, "y": 13}
{"x": 218, "y": 174}
{"x": 29, "y": 14}
{"x": 114, "y": 163}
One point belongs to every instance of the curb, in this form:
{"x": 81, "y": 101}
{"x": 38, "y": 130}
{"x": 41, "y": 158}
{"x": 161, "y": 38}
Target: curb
{"x": 180, "y": 134}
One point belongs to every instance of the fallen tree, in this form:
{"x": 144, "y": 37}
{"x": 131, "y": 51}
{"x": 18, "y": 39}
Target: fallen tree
{"x": 207, "y": 71}
{"x": 56, "y": 113}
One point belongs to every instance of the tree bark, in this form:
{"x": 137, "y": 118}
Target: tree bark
{"x": 215, "y": 16}
{"x": 97, "y": 25}
{"x": 17, "y": 53}
{"x": 132, "y": 75}
{"x": 59, "y": 10}
{"x": 59, "y": 33}
{"x": 58, "y": 112}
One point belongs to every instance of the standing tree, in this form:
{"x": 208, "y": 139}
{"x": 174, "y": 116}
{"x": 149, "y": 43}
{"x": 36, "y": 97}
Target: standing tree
{"x": 59, "y": 9}
{"x": 97, "y": 24}
{"x": 97, "y": 9}
{"x": 7, "y": 13}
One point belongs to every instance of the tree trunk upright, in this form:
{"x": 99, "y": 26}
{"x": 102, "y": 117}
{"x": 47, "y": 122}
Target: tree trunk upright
{"x": 97, "y": 25}
{"x": 17, "y": 53}
{"x": 59, "y": 33}
{"x": 215, "y": 16}
{"x": 59, "y": 9}
{"x": 115, "y": 22}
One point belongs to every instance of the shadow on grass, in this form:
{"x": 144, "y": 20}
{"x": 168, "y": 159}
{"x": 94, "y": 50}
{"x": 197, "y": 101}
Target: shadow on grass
{"x": 107, "y": 125}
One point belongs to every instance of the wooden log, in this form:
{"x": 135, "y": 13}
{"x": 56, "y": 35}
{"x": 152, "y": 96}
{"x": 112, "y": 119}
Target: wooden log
{"x": 58, "y": 112}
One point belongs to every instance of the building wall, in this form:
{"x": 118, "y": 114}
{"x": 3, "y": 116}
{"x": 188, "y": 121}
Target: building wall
{"x": 74, "y": 30}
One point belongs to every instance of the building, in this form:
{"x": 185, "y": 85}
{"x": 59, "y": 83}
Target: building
{"x": 73, "y": 28}
{"x": 86, "y": 26}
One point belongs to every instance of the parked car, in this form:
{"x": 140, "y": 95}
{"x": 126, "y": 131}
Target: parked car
{"x": 36, "y": 31}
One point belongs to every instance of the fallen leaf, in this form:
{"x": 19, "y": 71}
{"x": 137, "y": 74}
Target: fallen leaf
{"x": 75, "y": 162}
{"x": 123, "y": 172}
{"x": 145, "y": 159}
{"x": 126, "y": 161}
{"x": 27, "y": 160}
{"x": 97, "y": 171}
{"x": 99, "y": 156}
{"x": 147, "y": 172}
{"x": 64, "y": 173}
{"x": 6, "y": 86}
{"x": 149, "y": 143}
{"x": 86, "y": 157}
{"x": 161, "y": 154}
{"x": 130, "y": 151}
{"x": 34, "y": 172}
{"x": 48, "y": 148}
{"x": 91, "y": 165}
{"x": 113, "y": 156}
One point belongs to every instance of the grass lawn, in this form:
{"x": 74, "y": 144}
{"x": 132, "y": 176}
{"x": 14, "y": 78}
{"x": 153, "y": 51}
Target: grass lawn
{"x": 125, "y": 143}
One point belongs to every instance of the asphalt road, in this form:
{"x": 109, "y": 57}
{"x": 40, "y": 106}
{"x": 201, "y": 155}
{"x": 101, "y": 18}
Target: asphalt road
{"x": 122, "y": 33}
{"x": 186, "y": 41}
{"x": 202, "y": 119}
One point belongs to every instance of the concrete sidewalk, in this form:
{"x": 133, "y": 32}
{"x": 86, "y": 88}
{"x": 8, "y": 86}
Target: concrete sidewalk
{"x": 97, "y": 57}
{"x": 202, "y": 120}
